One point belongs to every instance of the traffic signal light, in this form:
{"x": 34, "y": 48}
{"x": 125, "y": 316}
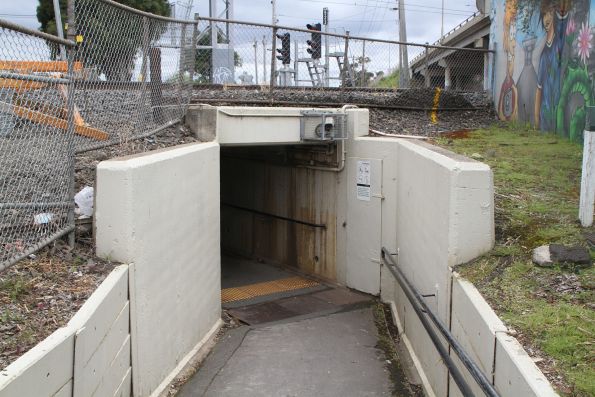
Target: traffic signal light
{"x": 285, "y": 51}
{"x": 316, "y": 41}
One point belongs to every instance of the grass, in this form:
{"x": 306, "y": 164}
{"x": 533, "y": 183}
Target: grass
{"x": 389, "y": 81}
{"x": 537, "y": 187}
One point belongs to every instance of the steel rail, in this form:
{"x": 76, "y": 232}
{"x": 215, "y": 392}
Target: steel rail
{"x": 424, "y": 313}
{"x": 61, "y": 204}
{"x": 36, "y": 247}
{"x": 21, "y": 29}
{"x": 147, "y": 14}
{"x": 283, "y": 218}
{"x": 33, "y": 77}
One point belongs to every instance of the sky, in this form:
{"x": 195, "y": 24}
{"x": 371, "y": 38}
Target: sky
{"x": 367, "y": 18}
{"x": 362, "y": 18}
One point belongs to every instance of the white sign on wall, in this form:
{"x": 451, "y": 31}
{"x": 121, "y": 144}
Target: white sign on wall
{"x": 363, "y": 180}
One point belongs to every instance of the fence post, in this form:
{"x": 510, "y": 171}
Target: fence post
{"x": 193, "y": 50}
{"x": 71, "y": 56}
{"x": 181, "y": 67}
{"x": 587, "y": 199}
{"x": 345, "y": 61}
{"x": 426, "y": 61}
{"x": 143, "y": 71}
{"x": 273, "y": 61}
{"x": 363, "y": 78}
{"x": 70, "y": 31}
{"x": 156, "y": 94}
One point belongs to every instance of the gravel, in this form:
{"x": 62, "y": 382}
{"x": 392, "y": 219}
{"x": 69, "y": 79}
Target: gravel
{"x": 416, "y": 98}
{"x": 473, "y": 110}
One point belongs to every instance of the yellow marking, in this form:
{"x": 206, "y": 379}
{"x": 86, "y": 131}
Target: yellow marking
{"x": 434, "y": 115}
{"x": 79, "y": 38}
{"x": 266, "y": 288}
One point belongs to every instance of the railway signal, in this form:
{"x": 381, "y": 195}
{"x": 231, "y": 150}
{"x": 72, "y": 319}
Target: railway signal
{"x": 285, "y": 50}
{"x": 315, "y": 43}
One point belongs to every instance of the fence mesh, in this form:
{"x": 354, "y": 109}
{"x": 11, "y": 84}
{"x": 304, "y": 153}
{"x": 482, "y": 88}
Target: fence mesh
{"x": 136, "y": 75}
{"x": 36, "y": 144}
{"x": 131, "y": 74}
{"x": 233, "y": 52}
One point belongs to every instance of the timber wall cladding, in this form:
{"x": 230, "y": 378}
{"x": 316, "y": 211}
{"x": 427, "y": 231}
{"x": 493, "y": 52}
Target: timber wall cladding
{"x": 90, "y": 356}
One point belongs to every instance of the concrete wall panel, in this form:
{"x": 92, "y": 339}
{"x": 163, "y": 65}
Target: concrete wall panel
{"x": 516, "y": 373}
{"x": 438, "y": 197}
{"x": 163, "y": 207}
{"x": 474, "y": 324}
{"x": 102, "y": 326}
{"x": 44, "y": 370}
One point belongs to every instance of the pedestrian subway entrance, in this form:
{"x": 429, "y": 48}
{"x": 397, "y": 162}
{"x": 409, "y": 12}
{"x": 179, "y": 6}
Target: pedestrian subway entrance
{"x": 278, "y": 220}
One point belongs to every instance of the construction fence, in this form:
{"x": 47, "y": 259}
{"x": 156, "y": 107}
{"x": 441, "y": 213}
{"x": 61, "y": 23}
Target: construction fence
{"x": 122, "y": 74}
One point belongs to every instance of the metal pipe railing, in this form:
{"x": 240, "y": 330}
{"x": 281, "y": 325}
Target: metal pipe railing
{"x": 274, "y": 216}
{"x": 338, "y": 35}
{"x": 35, "y": 33}
{"x": 426, "y": 315}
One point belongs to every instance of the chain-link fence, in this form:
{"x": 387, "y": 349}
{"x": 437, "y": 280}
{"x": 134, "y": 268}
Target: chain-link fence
{"x": 235, "y": 52}
{"x": 36, "y": 141}
{"x": 136, "y": 75}
{"x": 125, "y": 74}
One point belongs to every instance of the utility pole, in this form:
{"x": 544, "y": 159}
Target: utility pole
{"x": 256, "y": 61}
{"x": 264, "y": 59}
{"x": 404, "y": 59}
{"x": 325, "y": 22}
{"x": 442, "y": 24}
{"x": 274, "y": 3}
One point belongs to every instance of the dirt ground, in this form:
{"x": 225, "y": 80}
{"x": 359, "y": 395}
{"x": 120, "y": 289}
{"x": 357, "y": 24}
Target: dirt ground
{"x": 41, "y": 293}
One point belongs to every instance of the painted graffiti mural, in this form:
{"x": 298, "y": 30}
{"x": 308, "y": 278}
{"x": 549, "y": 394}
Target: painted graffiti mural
{"x": 545, "y": 63}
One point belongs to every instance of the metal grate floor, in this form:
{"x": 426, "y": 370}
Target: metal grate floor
{"x": 266, "y": 288}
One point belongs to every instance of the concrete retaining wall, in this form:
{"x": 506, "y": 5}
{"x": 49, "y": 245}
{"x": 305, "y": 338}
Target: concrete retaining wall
{"x": 444, "y": 217}
{"x": 90, "y": 356}
{"x": 160, "y": 211}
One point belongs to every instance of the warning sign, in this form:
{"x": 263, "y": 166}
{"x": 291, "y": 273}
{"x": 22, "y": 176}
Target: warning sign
{"x": 363, "y": 180}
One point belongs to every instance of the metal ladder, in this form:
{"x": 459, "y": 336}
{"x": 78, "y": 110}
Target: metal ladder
{"x": 315, "y": 70}
{"x": 340, "y": 56}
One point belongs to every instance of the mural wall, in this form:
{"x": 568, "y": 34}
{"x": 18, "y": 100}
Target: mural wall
{"x": 544, "y": 63}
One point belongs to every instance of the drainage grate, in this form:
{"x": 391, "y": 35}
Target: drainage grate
{"x": 266, "y": 288}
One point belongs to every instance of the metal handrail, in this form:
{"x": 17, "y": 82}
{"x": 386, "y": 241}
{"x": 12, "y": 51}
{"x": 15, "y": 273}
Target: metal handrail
{"x": 425, "y": 315}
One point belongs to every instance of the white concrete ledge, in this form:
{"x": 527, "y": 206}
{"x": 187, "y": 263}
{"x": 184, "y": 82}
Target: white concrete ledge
{"x": 75, "y": 359}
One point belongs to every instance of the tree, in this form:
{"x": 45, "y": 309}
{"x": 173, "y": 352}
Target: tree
{"x": 111, "y": 38}
{"x": 360, "y": 74}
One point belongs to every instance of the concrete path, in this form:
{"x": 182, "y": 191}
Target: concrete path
{"x": 332, "y": 355}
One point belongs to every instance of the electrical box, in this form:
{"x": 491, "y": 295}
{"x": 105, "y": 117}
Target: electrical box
{"x": 323, "y": 125}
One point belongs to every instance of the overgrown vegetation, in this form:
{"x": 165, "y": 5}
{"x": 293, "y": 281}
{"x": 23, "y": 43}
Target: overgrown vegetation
{"x": 537, "y": 187}
{"x": 389, "y": 81}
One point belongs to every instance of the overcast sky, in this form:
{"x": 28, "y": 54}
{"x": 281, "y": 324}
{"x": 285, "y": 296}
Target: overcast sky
{"x": 369, "y": 18}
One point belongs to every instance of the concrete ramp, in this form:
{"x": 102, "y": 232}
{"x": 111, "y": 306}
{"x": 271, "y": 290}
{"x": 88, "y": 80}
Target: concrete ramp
{"x": 332, "y": 355}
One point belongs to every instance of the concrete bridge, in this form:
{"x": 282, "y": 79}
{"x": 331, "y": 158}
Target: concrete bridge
{"x": 452, "y": 69}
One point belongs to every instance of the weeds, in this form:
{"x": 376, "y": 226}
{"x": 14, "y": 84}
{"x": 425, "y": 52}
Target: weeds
{"x": 536, "y": 181}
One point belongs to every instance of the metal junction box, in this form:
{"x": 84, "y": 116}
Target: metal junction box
{"x": 322, "y": 125}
